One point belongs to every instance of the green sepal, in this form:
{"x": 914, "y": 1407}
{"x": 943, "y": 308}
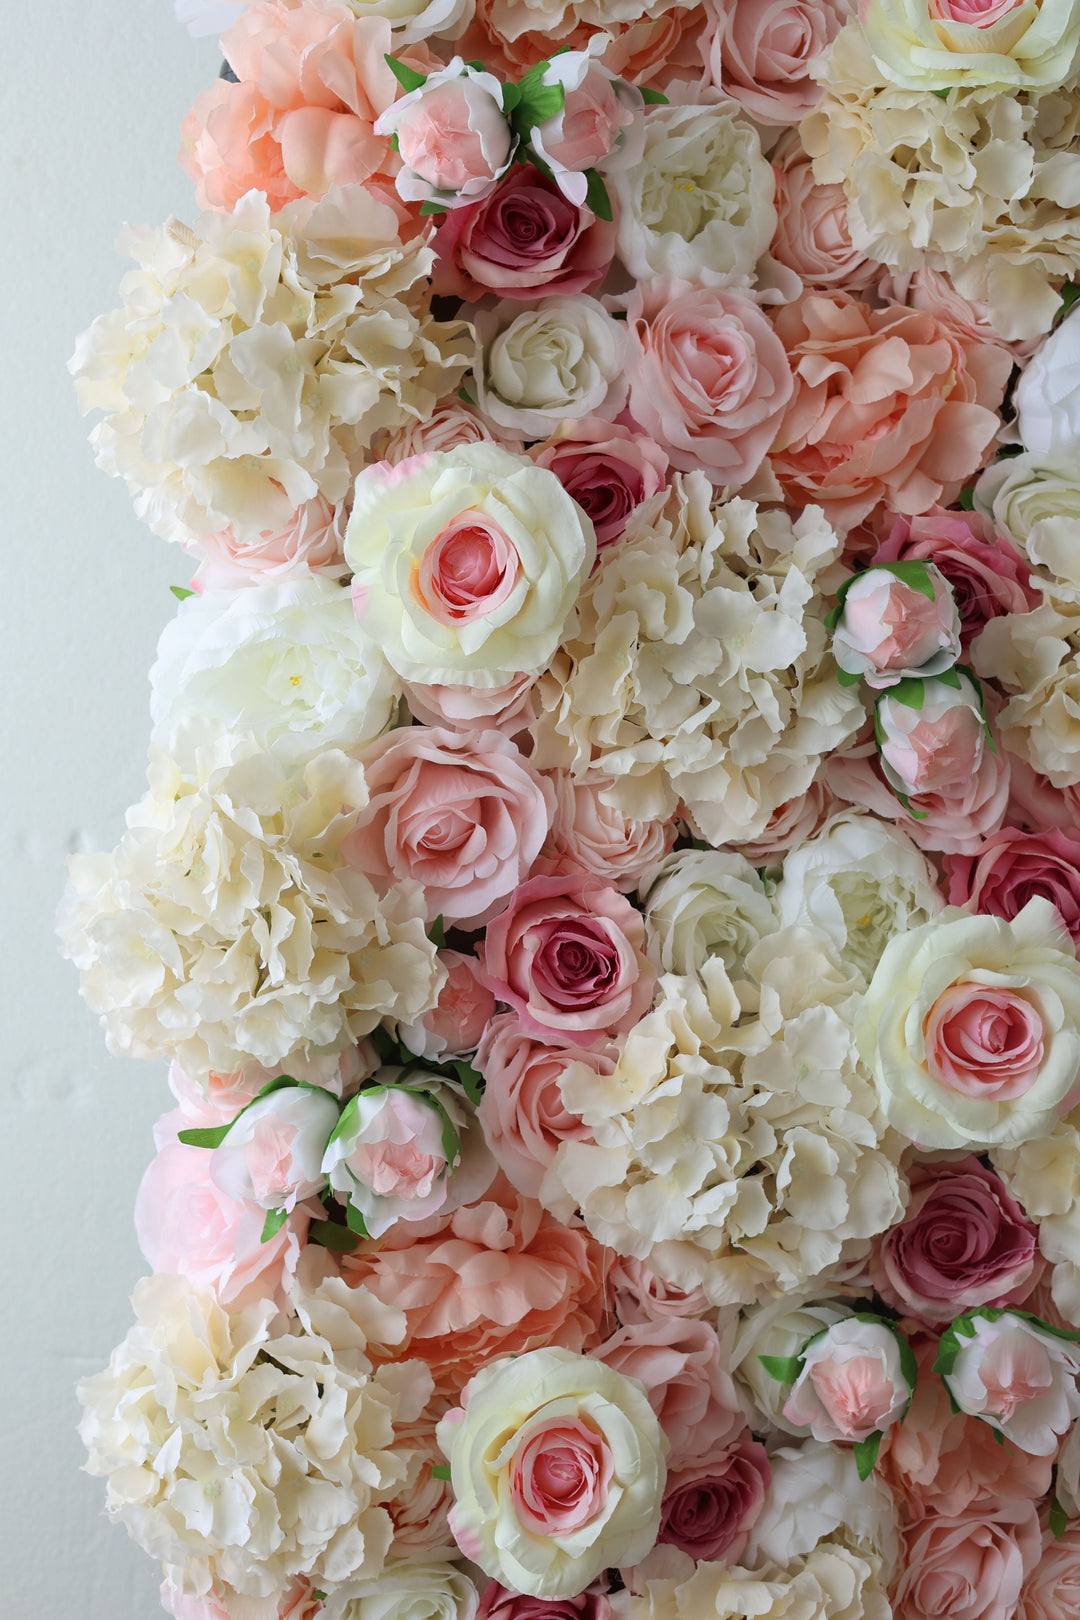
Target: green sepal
{"x": 211, "y": 1137}
{"x": 320, "y": 1597}
{"x": 965, "y": 669}
{"x": 596, "y": 197}
{"x": 440, "y": 1471}
{"x": 866, "y": 1453}
{"x": 355, "y": 1220}
{"x": 472, "y": 1081}
{"x": 966, "y": 498}
{"x": 427, "y": 208}
{"x": 437, "y": 933}
{"x": 942, "y": 95}
{"x": 1059, "y": 1519}
{"x": 652, "y": 98}
{"x": 181, "y": 592}
{"x": 511, "y": 99}
{"x": 950, "y": 677}
{"x": 911, "y": 692}
{"x": 1070, "y": 292}
{"x": 478, "y": 66}
{"x": 846, "y": 678}
{"x": 463, "y": 393}
{"x": 275, "y": 1220}
{"x": 395, "y": 145}
{"x": 785, "y": 1369}
{"x": 338, "y": 1239}
{"x": 451, "y": 1141}
{"x": 407, "y": 77}
{"x": 536, "y": 101}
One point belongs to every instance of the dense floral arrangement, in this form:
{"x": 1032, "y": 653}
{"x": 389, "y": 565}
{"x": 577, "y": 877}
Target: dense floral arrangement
{"x": 609, "y": 880}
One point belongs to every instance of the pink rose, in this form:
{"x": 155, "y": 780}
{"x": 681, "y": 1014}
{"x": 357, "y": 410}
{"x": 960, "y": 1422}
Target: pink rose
{"x": 708, "y": 378}
{"x": 968, "y": 1568}
{"x": 974, "y": 13}
{"x": 955, "y": 817}
{"x": 1010, "y": 867}
{"x": 522, "y": 1110}
{"x": 309, "y": 544}
{"x": 607, "y": 468}
{"x": 496, "y": 1603}
{"x": 464, "y": 815}
{"x": 510, "y": 709}
{"x": 568, "y": 955}
{"x": 791, "y": 824}
{"x": 892, "y": 629}
{"x": 989, "y": 577}
{"x": 690, "y": 1391}
{"x": 453, "y": 138}
{"x": 560, "y": 1476}
{"x": 984, "y": 1041}
{"x": 419, "y": 1511}
{"x": 759, "y": 52}
{"x": 642, "y": 1296}
{"x": 962, "y": 1242}
{"x": 811, "y": 225}
{"x": 524, "y": 240}
{"x": 888, "y": 405}
{"x": 454, "y": 422}
{"x": 456, "y": 1023}
{"x": 1052, "y": 1589}
{"x": 598, "y": 126}
{"x": 851, "y": 1383}
{"x": 588, "y": 835}
{"x": 710, "y": 1508}
{"x": 1036, "y": 804}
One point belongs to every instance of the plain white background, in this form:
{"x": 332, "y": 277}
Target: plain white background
{"x": 90, "y": 109}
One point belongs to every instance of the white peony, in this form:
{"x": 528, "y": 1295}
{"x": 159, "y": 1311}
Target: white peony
{"x": 815, "y": 1491}
{"x": 406, "y": 1591}
{"x": 286, "y": 665}
{"x": 558, "y": 360}
{"x": 1047, "y": 397}
{"x": 703, "y": 903}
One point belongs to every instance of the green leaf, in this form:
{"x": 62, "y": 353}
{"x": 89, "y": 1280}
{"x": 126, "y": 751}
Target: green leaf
{"x": 537, "y": 101}
{"x": 427, "y": 208}
{"x": 407, "y": 77}
{"x": 866, "y": 1454}
{"x": 652, "y": 98}
{"x": 846, "y": 678}
{"x": 596, "y": 197}
{"x": 338, "y": 1239}
{"x": 785, "y": 1369}
{"x": 912, "y": 573}
{"x": 463, "y": 393}
{"x": 1070, "y": 292}
{"x": 320, "y": 1597}
{"x": 472, "y": 1081}
{"x": 910, "y": 692}
{"x": 440, "y": 1471}
{"x": 181, "y": 592}
{"x": 950, "y": 677}
{"x": 275, "y": 1220}
{"x": 942, "y": 95}
{"x": 212, "y": 1137}
{"x": 437, "y": 933}
{"x": 1059, "y": 1519}
{"x": 511, "y": 98}
{"x": 966, "y": 498}
{"x": 355, "y": 1220}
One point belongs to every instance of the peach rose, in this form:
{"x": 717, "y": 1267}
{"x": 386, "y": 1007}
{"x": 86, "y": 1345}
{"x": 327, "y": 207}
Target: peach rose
{"x": 1052, "y": 1590}
{"x": 689, "y": 1389}
{"x": 464, "y": 815}
{"x": 968, "y": 1568}
{"x": 759, "y": 52}
{"x": 641, "y": 1296}
{"x": 310, "y": 543}
{"x": 607, "y": 468}
{"x": 456, "y": 1023}
{"x": 709, "y": 380}
{"x": 811, "y": 225}
{"x": 590, "y": 836}
{"x": 510, "y": 709}
{"x": 889, "y": 405}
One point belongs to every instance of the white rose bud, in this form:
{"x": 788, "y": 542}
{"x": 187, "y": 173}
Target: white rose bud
{"x": 272, "y": 1155}
{"x": 855, "y": 1381}
{"x": 936, "y": 747}
{"x": 453, "y": 137}
{"x": 1016, "y": 1373}
{"x": 897, "y": 622}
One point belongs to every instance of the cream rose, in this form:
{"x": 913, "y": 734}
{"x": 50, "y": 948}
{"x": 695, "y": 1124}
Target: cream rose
{"x": 971, "y": 1027}
{"x": 559, "y": 360}
{"x": 949, "y": 44}
{"x": 703, "y": 903}
{"x": 466, "y": 564}
{"x": 558, "y": 1469}
{"x": 405, "y": 1591}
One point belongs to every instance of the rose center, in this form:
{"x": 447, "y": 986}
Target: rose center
{"x": 984, "y": 1042}
{"x": 467, "y": 571}
{"x": 560, "y": 1475}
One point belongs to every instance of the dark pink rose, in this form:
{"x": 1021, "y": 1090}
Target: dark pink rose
{"x": 962, "y": 1243}
{"x": 525, "y": 240}
{"x": 496, "y": 1603}
{"x": 989, "y": 577}
{"x": 709, "y": 1509}
{"x": 568, "y": 955}
{"x": 608, "y": 469}
{"x": 1012, "y": 867}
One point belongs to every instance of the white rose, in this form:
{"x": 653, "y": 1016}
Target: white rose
{"x": 1047, "y": 397}
{"x": 287, "y": 665}
{"x": 699, "y": 204}
{"x": 1019, "y": 1376}
{"x": 406, "y": 1592}
{"x": 1019, "y": 46}
{"x": 272, "y": 1154}
{"x": 855, "y": 1380}
{"x": 1019, "y": 493}
{"x": 560, "y": 359}
{"x": 702, "y": 903}
{"x": 778, "y": 1329}
{"x": 971, "y": 1028}
{"x": 466, "y": 564}
{"x": 860, "y": 882}
{"x": 815, "y": 1491}
{"x": 557, "y": 1465}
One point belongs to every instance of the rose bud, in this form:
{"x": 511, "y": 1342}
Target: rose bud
{"x": 936, "y": 747}
{"x": 897, "y": 622}
{"x": 452, "y": 135}
{"x": 599, "y": 126}
{"x": 272, "y": 1153}
{"x": 454, "y": 1026}
{"x": 853, "y": 1381}
{"x": 1016, "y": 1373}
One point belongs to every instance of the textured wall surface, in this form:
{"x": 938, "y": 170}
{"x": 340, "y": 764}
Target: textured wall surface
{"x": 89, "y": 127}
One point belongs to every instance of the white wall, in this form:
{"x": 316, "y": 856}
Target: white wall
{"x": 94, "y": 92}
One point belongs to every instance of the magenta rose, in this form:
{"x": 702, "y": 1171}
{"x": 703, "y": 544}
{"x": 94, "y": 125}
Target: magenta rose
{"x": 525, "y": 240}
{"x": 497, "y": 1603}
{"x": 759, "y": 52}
{"x": 968, "y": 1567}
{"x": 1011, "y": 867}
{"x": 464, "y": 815}
{"x": 963, "y": 1242}
{"x": 608, "y": 470}
{"x": 688, "y": 1387}
{"x": 568, "y": 956}
{"x": 989, "y": 577}
{"x": 710, "y": 1508}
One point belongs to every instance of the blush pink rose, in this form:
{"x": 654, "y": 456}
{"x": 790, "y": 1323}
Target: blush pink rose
{"x": 590, "y": 836}
{"x": 497, "y": 1603}
{"x": 968, "y": 1567}
{"x": 463, "y": 814}
{"x": 522, "y": 1111}
{"x": 309, "y": 544}
{"x": 710, "y": 1507}
{"x": 811, "y": 225}
{"x": 608, "y": 469}
{"x": 567, "y": 955}
{"x": 560, "y": 1476}
{"x": 454, "y": 422}
{"x": 457, "y": 1021}
{"x": 709, "y": 379}
{"x": 510, "y": 709}
{"x": 600, "y": 119}
{"x": 791, "y": 824}
{"x": 690, "y": 1391}
{"x": 1052, "y": 1590}
{"x": 974, "y": 13}
{"x": 452, "y": 136}
{"x": 984, "y": 1041}
{"x": 419, "y": 1512}
{"x": 955, "y": 817}
{"x": 759, "y": 52}
{"x": 1036, "y": 804}
{"x": 1011, "y": 867}
{"x": 467, "y": 571}
{"x": 641, "y": 1296}
{"x": 889, "y": 405}
{"x": 988, "y": 575}
{"x": 522, "y": 241}
{"x": 962, "y": 1242}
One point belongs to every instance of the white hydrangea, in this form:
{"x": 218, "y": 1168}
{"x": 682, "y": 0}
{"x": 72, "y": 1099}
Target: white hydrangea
{"x": 701, "y": 903}
{"x": 246, "y": 1449}
{"x": 699, "y": 672}
{"x": 739, "y": 1148}
{"x": 256, "y": 355}
{"x": 222, "y": 929}
{"x": 830, "y": 1583}
{"x": 1043, "y": 1175}
{"x": 1036, "y": 658}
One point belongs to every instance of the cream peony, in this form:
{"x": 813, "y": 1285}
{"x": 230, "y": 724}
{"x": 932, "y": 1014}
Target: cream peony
{"x": 971, "y": 1027}
{"x": 931, "y": 45}
{"x": 703, "y": 903}
{"x": 698, "y": 669}
{"x": 406, "y": 1591}
{"x": 247, "y": 1449}
{"x": 816, "y": 1492}
{"x": 466, "y": 564}
{"x": 561, "y": 359}
{"x": 223, "y": 929}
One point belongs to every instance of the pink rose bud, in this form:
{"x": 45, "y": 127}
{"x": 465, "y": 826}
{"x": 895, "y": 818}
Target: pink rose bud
{"x": 852, "y": 1383}
{"x": 456, "y": 1023}
{"x": 272, "y": 1155}
{"x": 936, "y": 748}
{"x": 600, "y": 120}
{"x": 453, "y": 137}
{"x": 891, "y": 628}
{"x": 1015, "y": 1373}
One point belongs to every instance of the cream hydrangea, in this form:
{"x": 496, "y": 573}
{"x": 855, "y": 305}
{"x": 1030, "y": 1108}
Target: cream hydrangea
{"x": 737, "y": 1147}
{"x": 286, "y": 664}
{"x": 223, "y": 929}
{"x": 698, "y": 671}
{"x": 699, "y": 204}
{"x": 1043, "y": 1175}
{"x": 982, "y": 184}
{"x": 244, "y": 1450}
{"x": 255, "y": 356}
{"x": 702, "y": 903}
{"x": 830, "y": 1583}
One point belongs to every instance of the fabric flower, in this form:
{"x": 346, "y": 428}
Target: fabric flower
{"x": 705, "y": 903}
{"x": 892, "y": 628}
{"x": 974, "y": 1565}
{"x": 988, "y": 577}
{"x": 760, "y": 53}
{"x": 563, "y": 359}
{"x": 1011, "y": 868}
{"x": 608, "y": 469}
{"x": 452, "y": 136}
{"x": 412, "y": 1590}
{"x": 1015, "y": 1374}
{"x": 589, "y": 835}
{"x": 970, "y": 43}
{"x": 851, "y": 1383}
